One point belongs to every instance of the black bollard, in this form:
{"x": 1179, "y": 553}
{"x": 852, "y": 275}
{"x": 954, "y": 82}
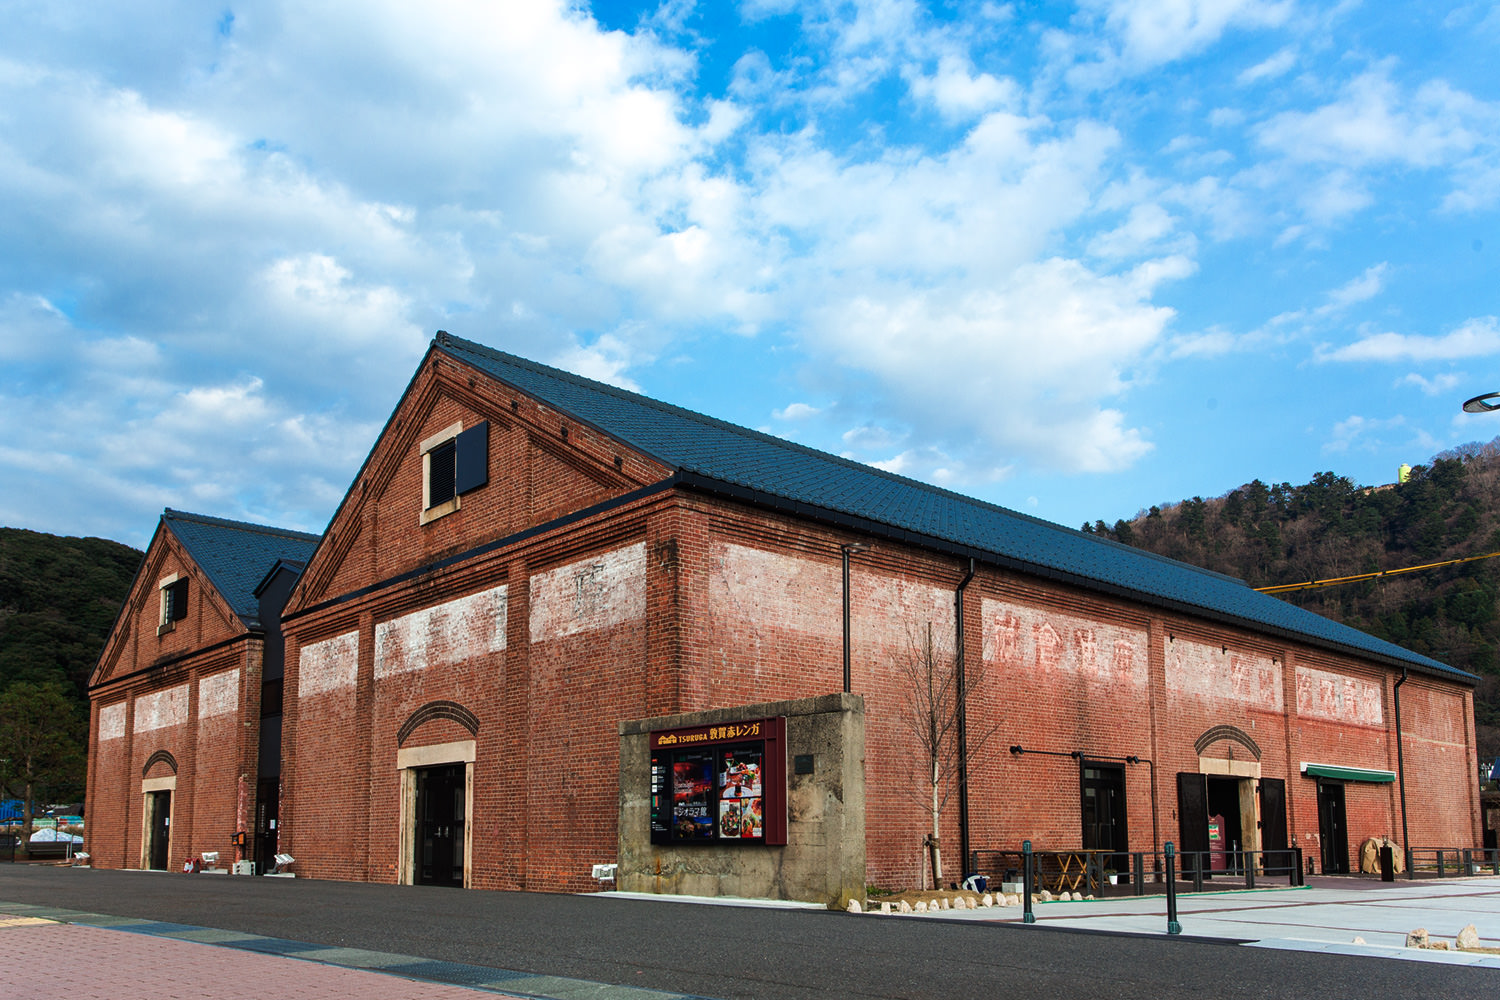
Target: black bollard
{"x": 1027, "y": 881}
{"x": 1173, "y": 927}
{"x": 1387, "y": 865}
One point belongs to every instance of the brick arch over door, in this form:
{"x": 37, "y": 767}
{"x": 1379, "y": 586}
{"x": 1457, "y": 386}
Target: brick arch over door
{"x": 159, "y": 757}
{"x": 1231, "y": 733}
{"x": 451, "y": 710}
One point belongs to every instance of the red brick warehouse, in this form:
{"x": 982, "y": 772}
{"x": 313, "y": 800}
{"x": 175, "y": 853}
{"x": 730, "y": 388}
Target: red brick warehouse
{"x": 531, "y": 570}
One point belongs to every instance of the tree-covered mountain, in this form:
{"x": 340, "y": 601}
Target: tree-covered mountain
{"x": 59, "y": 597}
{"x": 58, "y": 600}
{"x": 1332, "y": 527}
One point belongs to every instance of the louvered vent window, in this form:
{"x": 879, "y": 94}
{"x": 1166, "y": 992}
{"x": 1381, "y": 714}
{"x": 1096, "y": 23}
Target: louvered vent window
{"x": 455, "y": 461}
{"x": 173, "y": 603}
{"x": 442, "y": 464}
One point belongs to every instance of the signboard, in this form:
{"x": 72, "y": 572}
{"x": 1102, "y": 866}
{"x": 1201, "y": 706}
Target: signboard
{"x": 719, "y": 784}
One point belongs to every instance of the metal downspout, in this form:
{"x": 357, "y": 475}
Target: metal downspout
{"x": 1401, "y": 772}
{"x": 963, "y": 728}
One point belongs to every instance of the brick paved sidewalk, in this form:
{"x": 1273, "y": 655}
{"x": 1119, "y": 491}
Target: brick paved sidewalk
{"x": 85, "y": 963}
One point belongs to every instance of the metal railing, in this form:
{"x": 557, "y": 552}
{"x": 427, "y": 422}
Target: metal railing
{"x": 1451, "y": 862}
{"x": 1140, "y": 873}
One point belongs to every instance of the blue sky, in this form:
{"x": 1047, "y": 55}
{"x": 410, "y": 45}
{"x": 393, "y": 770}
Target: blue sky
{"x": 1074, "y": 259}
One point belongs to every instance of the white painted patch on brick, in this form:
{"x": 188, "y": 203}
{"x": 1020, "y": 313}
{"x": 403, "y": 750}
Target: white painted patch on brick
{"x": 896, "y": 611}
{"x": 1019, "y": 636}
{"x": 161, "y": 709}
{"x": 1205, "y": 672}
{"x": 594, "y": 593}
{"x": 112, "y": 721}
{"x": 774, "y": 590}
{"x": 1322, "y": 694}
{"x": 328, "y": 665}
{"x": 445, "y": 633}
{"x": 219, "y": 694}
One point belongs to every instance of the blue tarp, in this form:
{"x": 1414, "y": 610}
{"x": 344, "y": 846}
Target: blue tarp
{"x": 10, "y": 811}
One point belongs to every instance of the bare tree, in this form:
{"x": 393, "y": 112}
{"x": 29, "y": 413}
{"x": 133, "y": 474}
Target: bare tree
{"x": 934, "y": 705}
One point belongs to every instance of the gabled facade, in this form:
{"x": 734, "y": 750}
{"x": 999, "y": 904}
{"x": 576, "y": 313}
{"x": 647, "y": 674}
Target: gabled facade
{"x": 555, "y": 626}
{"x": 176, "y": 700}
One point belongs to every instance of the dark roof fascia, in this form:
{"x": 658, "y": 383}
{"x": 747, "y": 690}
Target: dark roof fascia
{"x": 363, "y": 467}
{"x": 707, "y": 484}
{"x": 661, "y": 486}
{"x": 291, "y": 564}
{"x": 245, "y": 636}
{"x": 129, "y": 593}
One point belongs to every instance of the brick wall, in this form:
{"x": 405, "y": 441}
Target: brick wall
{"x": 193, "y": 693}
{"x": 673, "y": 603}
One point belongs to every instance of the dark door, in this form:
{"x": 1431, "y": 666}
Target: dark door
{"x": 158, "y": 829}
{"x": 1103, "y": 788}
{"x": 1192, "y": 820}
{"x": 267, "y": 802}
{"x": 1332, "y": 828}
{"x": 1277, "y": 859}
{"x": 440, "y": 825}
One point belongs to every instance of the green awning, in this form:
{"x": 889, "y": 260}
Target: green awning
{"x": 1348, "y": 773}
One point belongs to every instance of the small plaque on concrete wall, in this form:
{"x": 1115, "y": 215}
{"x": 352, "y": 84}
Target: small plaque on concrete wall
{"x": 802, "y": 763}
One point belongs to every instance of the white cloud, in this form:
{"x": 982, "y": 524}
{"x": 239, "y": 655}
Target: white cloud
{"x": 960, "y": 93}
{"x": 1478, "y": 338}
{"x": 1374, "y": 122}
{"x": 1268, "y": 69}
{"x": 796, "y": 411}
{"x": 1361, "y": 289}
{"x": 1018, "y": 369}
{"x": 1157, "y": 31}
{"x": 1359, "y": 433}
{"x": 1143, "y": 230}
{"x": 1438, "y": 385}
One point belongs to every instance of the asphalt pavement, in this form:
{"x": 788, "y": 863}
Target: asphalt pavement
{"x": 612, "y": 947}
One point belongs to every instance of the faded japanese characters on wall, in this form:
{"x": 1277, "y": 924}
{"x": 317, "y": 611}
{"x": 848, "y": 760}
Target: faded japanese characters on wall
{"x": 589, "y": 594}
{"x": 1338, "y": 697}
{"x": 1208, "y": 672}
{"x": 328, "y": 665}
{"x": 219, "y": 694}
{"x": 1019, "y": 636}
{"x": 444, "y": 633}
{"x": 161, "y": 709}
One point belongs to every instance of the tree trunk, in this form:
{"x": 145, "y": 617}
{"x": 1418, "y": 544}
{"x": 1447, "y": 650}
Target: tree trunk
{"x": 937, "y": 850}
{"x": 28, "y": 814}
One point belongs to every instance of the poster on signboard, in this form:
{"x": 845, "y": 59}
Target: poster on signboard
{"x": 740, "y": 775}
{"x": 693, "y": 796}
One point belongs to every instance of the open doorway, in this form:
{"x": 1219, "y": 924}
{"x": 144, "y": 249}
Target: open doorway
{"x": 158, "y": 829}
{"x": 1226, "y": 826}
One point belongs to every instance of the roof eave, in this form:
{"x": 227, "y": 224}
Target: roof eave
{"x": 699, "y": 482}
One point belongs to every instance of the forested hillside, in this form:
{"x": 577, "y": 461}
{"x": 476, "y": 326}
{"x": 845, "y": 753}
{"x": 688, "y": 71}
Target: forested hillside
{"x": 1332, "y": 527}
{"x": 58, "y": 599}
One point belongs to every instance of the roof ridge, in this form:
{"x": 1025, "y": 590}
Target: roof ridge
{"x": 168, "y": 514}
{"x": 444, "y": 338}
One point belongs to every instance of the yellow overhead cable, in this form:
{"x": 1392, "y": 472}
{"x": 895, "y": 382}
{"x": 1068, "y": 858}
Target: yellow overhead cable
{"x": 1283, "y": 588}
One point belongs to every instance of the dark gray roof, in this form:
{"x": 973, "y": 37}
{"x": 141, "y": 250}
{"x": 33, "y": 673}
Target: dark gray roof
{"x": 714, "y": 455}
{"x": 236, "y": 556}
